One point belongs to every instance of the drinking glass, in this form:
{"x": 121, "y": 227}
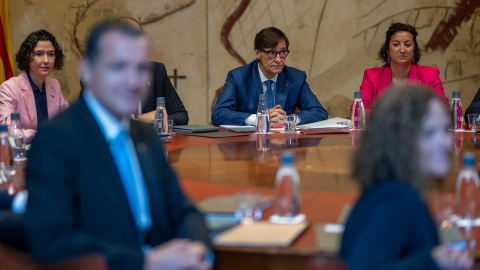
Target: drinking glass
{"x": 473, "y": 122}
{"x": 290, "y": 123}
{"x": 248, "y": 205}
{"x": 170, "y": 127}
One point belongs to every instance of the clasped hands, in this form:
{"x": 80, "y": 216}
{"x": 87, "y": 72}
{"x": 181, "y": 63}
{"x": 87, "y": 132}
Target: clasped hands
{"x": 276, "y": 115}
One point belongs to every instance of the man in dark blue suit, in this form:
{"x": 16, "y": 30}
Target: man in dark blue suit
{"x": 286, "y": 87}
{"x": 99, "y": 182}
{"x": 12, "y": 225}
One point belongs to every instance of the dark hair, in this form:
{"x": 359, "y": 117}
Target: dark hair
{"x": 103, "y": 28}
{"x": 388, "y": 148}
{"x": 399, "y": 27}
{"x": 269, "y": 38}
{"x": 126, "y": 18}
{"x": 25, "y": 54}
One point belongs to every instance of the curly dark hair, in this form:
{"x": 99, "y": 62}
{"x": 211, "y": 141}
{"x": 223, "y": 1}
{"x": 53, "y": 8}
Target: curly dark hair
{"x": 391, "y": 137}
{"x": 25, "y": 54}
{"x": 399, "y": 27}
{"x": 269, "y": 38}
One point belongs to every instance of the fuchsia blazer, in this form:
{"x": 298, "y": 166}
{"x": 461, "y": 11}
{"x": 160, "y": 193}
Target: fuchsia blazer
{"x": 377, "y": 80}
{"x": 16, "y": 95}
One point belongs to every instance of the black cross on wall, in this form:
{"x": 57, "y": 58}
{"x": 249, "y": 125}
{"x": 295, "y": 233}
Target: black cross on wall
{"x": 175, "y": 77}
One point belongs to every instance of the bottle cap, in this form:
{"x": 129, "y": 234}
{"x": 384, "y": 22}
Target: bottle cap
{"x": 3, "y": 128}
{"x": 456, "y": 94}
{"x": 15, "y": 116}
{"x": 160, "y": 100}
{"x": 357, "y": 95}
{"x": 468, "y": 159}
{"x": 288, "y": 157}
{"x": 263, "y": 97}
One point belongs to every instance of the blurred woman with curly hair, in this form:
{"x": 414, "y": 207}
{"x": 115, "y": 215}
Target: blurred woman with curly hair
{"x": 405, "y": 145}
{"x": 33, "y": 94}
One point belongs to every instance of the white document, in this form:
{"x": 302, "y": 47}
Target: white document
{"x": 336, "y": 122}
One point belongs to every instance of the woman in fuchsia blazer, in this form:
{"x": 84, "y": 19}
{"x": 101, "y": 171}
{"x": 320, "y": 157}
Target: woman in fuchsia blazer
{"x": 401, "y": 55}
{"x": 38, "y": 55}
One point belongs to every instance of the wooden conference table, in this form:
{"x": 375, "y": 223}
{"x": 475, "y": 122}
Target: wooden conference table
{"x": 222, "y": 166}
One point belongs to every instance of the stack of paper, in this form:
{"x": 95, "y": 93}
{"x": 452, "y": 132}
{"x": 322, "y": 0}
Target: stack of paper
{"x": 332, "y": 125}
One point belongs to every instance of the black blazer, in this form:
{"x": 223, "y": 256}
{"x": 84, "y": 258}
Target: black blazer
{"x": 162, "y": 87}
{"x": 77, "y": 203}
{"x": 474, "y": 106}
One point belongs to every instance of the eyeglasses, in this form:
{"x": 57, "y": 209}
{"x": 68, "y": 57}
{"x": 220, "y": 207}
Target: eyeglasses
{"x": 273, "y": 54}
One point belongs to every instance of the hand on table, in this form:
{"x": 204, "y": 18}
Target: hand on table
{"x": 177, "y": 254}
{"x": 276, "y": 115}
{"x": 446, "y": 258}
{"x": 147, "y": 117}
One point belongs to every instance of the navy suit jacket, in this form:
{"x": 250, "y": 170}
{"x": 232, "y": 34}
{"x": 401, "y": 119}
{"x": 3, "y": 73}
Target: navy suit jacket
{"x": 77, "y": 203}
{"x": 12, "y": 227}
{"x": 389, "y": 228}
{"x": 239, "y": 98}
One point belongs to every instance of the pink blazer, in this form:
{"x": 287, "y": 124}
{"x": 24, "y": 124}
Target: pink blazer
{"x": 16, "y": 95}
{"x": 377, "y": 80}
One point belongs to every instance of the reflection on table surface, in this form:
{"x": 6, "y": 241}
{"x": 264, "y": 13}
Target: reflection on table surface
{"x": 323, "y": 162}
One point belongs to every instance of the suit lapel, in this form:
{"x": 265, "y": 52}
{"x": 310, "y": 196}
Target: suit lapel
{"x": 281, "y": 89}
{"x": 107, "y": 177}
{"x": 52, "y": 99}
{"x": 254, "y": 84}
{"x": 414, "y": 74}
{"x": 385, "y": 78}
{"x": 29, "y": 99}
{"x": 152, "y": 181}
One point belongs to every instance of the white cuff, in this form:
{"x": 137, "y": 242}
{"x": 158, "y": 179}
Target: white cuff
{"x": 251, "y": 120}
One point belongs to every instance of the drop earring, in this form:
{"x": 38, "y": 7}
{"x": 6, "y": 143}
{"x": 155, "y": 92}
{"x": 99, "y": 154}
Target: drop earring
{"x": 388, "y": 59}
{"x": 413, "y": 59}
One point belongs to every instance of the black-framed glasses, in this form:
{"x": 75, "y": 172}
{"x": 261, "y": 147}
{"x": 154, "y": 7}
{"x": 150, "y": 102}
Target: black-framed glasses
{"x": 273, "y": 54}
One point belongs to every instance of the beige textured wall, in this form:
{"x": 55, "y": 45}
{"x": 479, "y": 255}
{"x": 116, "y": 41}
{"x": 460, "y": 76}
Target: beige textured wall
{"x": 334, "y": 41}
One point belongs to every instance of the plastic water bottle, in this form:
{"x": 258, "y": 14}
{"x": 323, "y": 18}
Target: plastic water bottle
{"x": 287, "y": 188}
{"x": 161, "y": 118}
{"x": 467, "y": 195}
{"x": 5, "y": 155}
{"x": 456, "y": 112}
{"x": 358, "y": 112}
{"x": 263, "y": 118}
{"x": 17, "y": 140}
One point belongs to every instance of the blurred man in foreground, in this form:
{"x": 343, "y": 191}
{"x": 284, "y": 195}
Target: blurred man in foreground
{"x": 99, "y": 183}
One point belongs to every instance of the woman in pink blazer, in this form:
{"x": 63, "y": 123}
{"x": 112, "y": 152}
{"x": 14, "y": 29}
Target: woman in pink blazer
{"x": 401, "y": 55}
{"x": 38, "y": 55}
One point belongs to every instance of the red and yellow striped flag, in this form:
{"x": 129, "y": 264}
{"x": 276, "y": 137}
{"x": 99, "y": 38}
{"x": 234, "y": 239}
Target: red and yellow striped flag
{"x": 6, "y": 68}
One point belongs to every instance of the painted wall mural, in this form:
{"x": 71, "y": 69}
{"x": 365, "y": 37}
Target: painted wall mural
{"x": 333, "y": 41}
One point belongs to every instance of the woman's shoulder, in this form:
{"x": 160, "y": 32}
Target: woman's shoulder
{"x": 425, "y": 69}
{"x": 15, "y": 82}
{"x": 392, "y": 191}
{"x": 376, "y": 70}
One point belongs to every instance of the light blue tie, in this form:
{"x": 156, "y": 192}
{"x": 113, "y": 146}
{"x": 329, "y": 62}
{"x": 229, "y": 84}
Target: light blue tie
{"x": 269, "y": 93}
{"x": 133, "y": 184}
